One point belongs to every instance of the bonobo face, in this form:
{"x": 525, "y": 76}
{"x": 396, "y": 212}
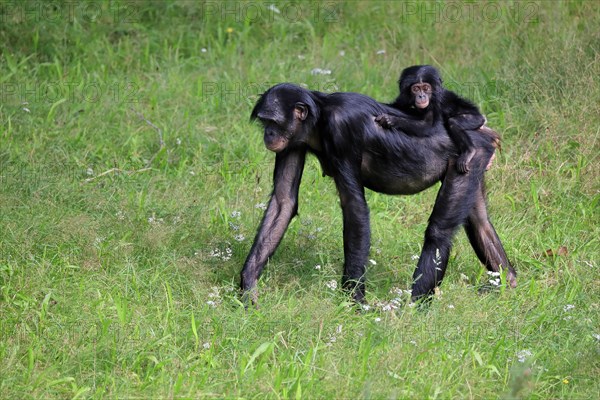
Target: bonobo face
{"x": 421, "y": 93}
{"x": 420, "y": 87}
{"x": 289, "y": 115}
{"x": 275, "y": 137}
{"x": 280, "y": 132}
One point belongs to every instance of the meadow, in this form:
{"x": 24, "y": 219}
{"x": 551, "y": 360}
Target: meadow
{"x": 132, "y": 183}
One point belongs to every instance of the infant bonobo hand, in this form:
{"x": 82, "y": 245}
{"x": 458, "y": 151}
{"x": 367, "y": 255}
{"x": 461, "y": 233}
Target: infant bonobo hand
{"x": 384, "y": 121}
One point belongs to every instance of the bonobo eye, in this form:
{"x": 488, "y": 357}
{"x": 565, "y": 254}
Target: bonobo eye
{"x": 427, "y": 87}
{"x": 267, "y": 121}
{"x": 415, "y": 88}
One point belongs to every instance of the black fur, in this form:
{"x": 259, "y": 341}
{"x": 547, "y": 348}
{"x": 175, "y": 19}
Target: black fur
{"x": 460, "y": 117}
{"x": 356, "y": 152}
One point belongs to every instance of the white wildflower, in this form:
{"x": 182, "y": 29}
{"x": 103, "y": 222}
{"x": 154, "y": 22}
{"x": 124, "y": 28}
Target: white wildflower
{"x": 495, "y": 282}
{"x": 568, "y": 307}
{"x": 373, "y": 262}
{"x": 396, "y": 302}
{"x": 153, "y": 220}
{"x": 493, "y": 273}
{"x": 332, "y": 284}
{"x": 450, "y": 306}
{"x": 318, "y": 266}
{"x": 240, "y": 237}
{"x": 414, "y": 257}
{"x": 377, "y": 319}
{"x": 260, "y": 206}
{"x": 380, "y": 52}
{"x": 319, "y": 71}
{"x": 272, "y": 7}
{"x": 235, "y": 214}
{"x": 523, "y": 355}
{"x": 396, "y": 290}
{"x": 223, "y": 255}
{"x": 203, "y": 50}
{"x": 206, "y": 345}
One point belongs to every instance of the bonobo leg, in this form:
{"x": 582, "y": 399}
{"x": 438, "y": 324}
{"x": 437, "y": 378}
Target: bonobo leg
{"x": 484, "y": 239}
{"x": 460, "y": 128}
{"x": 282, "y": 207}
{"x": 453, "y": 204}
{"x": 357, "y": 232}
{"x": 464, "y": 145}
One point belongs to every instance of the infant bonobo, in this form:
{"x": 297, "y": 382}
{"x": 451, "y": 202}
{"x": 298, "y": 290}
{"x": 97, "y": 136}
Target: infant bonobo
{"x": 423, "y": 98}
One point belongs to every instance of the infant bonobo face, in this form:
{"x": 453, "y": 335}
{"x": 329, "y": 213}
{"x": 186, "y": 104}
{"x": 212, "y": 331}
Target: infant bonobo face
{"x": 421, "y": 94}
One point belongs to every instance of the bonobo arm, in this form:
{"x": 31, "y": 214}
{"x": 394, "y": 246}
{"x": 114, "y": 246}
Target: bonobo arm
{"x": 467, "y": 121}
{"x": 282, "y": 207}
{"x": 412, "y": 125}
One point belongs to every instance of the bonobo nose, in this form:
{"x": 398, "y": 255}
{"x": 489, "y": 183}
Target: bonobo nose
{"x": 269, "y": 134}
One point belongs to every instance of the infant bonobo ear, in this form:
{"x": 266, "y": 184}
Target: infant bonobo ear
{"x": 300, "y": 111}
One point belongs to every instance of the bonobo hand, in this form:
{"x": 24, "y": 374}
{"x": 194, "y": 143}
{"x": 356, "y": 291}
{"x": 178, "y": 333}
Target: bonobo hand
{"x": 384, "y": 121}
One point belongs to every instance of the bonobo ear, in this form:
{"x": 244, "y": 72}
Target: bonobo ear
{"x": 300, "y": 111}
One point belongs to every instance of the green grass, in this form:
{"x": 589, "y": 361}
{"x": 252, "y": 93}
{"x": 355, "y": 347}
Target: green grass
{"x": 119, "y": 255}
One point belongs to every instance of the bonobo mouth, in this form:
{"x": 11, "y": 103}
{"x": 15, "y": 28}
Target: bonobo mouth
{"x": 421, "y": 103}
{"x": 275, "y": 146}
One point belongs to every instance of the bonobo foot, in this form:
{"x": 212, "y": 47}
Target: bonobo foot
{"x": 462, "y": 164}
{"x": 356, "y": 289}
{"x": 249, "y": 297}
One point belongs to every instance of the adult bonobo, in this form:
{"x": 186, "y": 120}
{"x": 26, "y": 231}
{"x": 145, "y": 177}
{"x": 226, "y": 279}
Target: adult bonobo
{"x": 340, "y": 129}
